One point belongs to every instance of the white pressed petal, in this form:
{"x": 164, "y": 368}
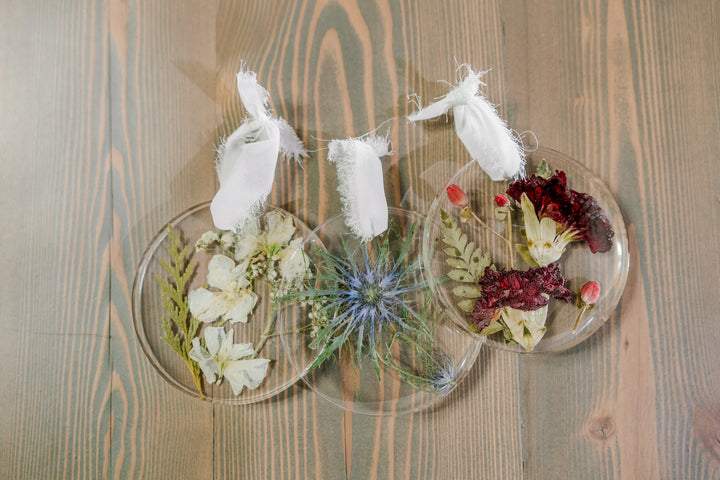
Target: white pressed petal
{"x": 293, "y": 261}
{"x": 240, "y": 350}
{"x": 518, "y": 320}
{"x": 279, "y": 228}
{"x": 247, "y": 241}
{"x": 215, "y": 337}
{"x": 205, "y": 305}
{"x": 220, "y": 271}
{"x": 246, "y": 373}
{"x": 204, "y": 360}
{"x": 241, "y": 307}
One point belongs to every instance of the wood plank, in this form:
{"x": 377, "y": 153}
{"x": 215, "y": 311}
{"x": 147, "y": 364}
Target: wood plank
{"x": 55, "y": 213}
{"x": 163, "y": 131}
{"x": 621, "y": 405}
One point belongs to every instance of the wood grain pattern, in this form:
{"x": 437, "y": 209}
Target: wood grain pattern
{"x": 110, "y": 113}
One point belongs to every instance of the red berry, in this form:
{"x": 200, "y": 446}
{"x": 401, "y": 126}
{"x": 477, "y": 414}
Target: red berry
{"x": 457, "y": 196}
{"x": 501, "y": 200}
{"x": 590, "y": 292}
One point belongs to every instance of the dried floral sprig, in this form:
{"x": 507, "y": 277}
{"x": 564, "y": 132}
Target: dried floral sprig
{"x": 555, "y": 216}
{"x": 272, "y": 254}
{"x": 178, "y": 325}
{"x": 468, "y": 262}
{"x": 459, "y": 198}
{"x": 369, "y": 302}
{"x": 522, "y": 298}
{"x": 426, "y": 366}
{"x": 359, "y": 300}
{"x": 587, "y": 297}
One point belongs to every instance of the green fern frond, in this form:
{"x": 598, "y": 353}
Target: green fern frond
{"x": 468, "y": 262}
{"x": 178, "y": 325}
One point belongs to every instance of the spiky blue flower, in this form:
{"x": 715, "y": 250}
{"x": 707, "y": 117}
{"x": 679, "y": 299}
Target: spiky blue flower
{"x": 364, "y": 295}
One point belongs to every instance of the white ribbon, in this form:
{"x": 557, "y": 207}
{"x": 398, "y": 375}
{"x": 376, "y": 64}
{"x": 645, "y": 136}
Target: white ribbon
{"x": 484, "y": 134}
{"x": 247, "y": 158}
{"x": 360, "y": 177}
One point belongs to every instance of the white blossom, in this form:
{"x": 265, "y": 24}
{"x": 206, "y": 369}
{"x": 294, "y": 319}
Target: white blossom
{"x": 279, "y": 229}
{"x": 222, "y": 359}
{"x": 206, "y": 239}
{"x": 233, "y": 301}
{"x": 294, "y": 263}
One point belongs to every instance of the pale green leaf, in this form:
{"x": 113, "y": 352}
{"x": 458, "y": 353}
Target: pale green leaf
{"x": 524, "y": 253}
{"x": 494, "y": 327}
{"x": 466, "y": 305}
{"x": 456, "y": 263}
{"x": 460, "y": 276}
{"x": 468, "y": 291}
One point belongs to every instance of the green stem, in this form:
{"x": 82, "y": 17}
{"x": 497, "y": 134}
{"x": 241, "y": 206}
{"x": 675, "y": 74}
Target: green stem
{"x": 265, "y": 335}
{"x": 506, "y": 240}
{"x": 580, "y": 315}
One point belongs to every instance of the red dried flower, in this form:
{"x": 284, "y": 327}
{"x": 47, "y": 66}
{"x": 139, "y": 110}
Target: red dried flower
{"x": 457, "y": 196}
{"x": 501, "y": 200}
{"x": 579, "y": 213}
{"x": 590, "y": 292}
{"x": 521, "y": 290}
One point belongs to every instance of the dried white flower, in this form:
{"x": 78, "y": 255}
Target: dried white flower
{"x": 227, "y": 240}
{"x": 222, "y": 359}
{"x": 294, "y": 264}
{"x": 205, "y": 240}
{"x": 527, "y": 327}
{"x": 279, "y": 229}
{"x": 234, "y": 301}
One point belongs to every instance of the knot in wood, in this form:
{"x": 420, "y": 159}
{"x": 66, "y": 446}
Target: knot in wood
{"x": 601, "y": 428}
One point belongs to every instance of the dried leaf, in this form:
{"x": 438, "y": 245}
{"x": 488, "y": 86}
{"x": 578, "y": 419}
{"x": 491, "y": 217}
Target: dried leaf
{"x": 461, "y": 276}
{"x": 524, "y": 253}
{"x": 466, "y": 305}
{"x": 468, "y": 291}
{"x": 494, "y": 327}
{"x": 457, "y": 263}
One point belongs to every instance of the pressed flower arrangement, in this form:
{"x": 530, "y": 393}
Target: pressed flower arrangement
{"x": 237, "y": 300}
{"x": 535, "y": 241}
{"x": 232, "y": 353}
{"x": 365, "y": 330}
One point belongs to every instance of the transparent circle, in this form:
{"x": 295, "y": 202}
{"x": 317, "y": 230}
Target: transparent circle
{"x": 358, "y": 387}
{"x": 578, "y": 264}
{"x": 148, "y": 313}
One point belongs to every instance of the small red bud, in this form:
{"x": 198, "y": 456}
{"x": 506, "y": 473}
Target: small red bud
{"x": 457, "y": 196}
{"x": 590, "y": 292}
{"x": 501, "y": 200}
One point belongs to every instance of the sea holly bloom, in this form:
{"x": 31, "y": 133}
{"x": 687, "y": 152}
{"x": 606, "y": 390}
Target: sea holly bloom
{"x": 233, "y": 300}
{"x": 555, "y": 216}
{"x": 221, "y": 358}
{"x": 588, "y": 295}
{"x": 522, "y": 298}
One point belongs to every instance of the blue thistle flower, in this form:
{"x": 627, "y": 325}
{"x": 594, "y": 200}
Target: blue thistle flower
{"x": 362, "y": 296}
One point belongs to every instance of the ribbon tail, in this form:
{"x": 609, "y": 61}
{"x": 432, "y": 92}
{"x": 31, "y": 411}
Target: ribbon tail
{"x": 488, "y": 139}
{"x": 291, "y": 147}
{"x": 361, "y": 187}
{"x": 246, "y": 172}
{"x": 253, "y": 96}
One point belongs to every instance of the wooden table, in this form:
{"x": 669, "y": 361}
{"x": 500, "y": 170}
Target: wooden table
{"x": 109, "y": 112}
